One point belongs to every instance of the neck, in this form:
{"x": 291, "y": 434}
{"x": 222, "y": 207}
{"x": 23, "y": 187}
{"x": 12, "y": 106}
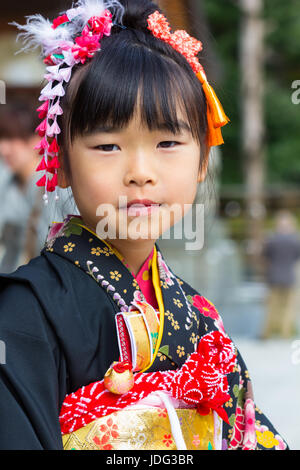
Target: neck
{"x": 135, "y": 252}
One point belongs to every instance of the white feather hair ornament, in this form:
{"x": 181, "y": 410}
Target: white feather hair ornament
{"x": 38, "y": 32}
{"x": 85, "y": 9}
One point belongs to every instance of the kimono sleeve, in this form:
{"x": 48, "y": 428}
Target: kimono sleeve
{"x": 29, "y": 389}
{"x": 249, "y": 428}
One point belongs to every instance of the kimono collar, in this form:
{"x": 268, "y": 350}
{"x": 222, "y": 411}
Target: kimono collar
{"x": 98, "y": 259}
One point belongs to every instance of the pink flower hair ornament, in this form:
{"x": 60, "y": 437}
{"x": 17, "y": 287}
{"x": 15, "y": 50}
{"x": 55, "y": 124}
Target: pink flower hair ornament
{"x": 72, "y": 38}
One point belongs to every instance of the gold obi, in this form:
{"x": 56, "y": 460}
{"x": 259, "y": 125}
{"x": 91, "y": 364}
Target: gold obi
{"x": 143, "y": 428}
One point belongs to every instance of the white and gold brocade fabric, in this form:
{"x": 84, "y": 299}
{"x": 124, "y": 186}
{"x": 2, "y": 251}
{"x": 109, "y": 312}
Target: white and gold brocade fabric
{"x": 144, "y": 428}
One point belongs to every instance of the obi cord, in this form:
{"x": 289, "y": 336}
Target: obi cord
{"x": 73, "y": 38}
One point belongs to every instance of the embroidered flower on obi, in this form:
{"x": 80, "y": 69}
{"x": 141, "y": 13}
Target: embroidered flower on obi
{"x": 109, "y": 431}
{"x": 167, "y": 440}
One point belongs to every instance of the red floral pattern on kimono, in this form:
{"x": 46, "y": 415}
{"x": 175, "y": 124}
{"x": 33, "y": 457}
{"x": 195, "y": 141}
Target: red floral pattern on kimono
{"x": 244, "y": 434}
{"x": 208, "y": 309}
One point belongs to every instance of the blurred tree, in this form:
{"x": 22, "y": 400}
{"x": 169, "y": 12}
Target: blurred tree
{"x": 282, "y": 67}
{"x": 223, "y": 18}
{"x": 252, "y": 117}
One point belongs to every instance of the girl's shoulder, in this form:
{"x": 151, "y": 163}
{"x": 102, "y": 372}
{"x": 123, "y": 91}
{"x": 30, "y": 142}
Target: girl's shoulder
{"x": 46, "y": 274}
{"x": 22, "y": 311}
{"x": 34, "y": 282}
{"x": 44, "y": 292}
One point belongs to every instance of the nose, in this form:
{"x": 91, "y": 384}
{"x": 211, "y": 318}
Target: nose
{"x": 140, "y": 169}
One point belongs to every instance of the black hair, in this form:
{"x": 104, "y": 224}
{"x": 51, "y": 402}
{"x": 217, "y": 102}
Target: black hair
{"x": 132, "y": 64}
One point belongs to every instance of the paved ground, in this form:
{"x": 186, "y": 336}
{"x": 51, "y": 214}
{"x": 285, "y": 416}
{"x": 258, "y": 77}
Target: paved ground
{"x": 274, "y": 366}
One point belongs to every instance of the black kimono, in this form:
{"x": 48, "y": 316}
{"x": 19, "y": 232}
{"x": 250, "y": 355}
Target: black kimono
{"x": 57, "y": 322}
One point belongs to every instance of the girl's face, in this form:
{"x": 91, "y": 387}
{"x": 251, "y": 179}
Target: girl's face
{"x": 135, "y": 163}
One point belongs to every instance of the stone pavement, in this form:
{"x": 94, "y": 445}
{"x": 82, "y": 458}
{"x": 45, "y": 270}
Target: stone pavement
{"x": 274, "y": 367}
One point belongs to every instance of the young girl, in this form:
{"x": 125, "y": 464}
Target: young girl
{"x": 107, "y": 348}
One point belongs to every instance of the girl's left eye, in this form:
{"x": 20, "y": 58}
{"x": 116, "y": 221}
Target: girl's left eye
{"x": 168, "y": 144}
{"x": 107, "y": 147}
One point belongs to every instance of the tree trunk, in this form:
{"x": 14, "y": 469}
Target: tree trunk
{"x": 252, "y": 80}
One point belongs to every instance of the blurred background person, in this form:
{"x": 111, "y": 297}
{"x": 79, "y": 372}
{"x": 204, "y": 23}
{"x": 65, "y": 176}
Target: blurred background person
{"x": 281, "y": 251}
{"x": 24, "y": 219}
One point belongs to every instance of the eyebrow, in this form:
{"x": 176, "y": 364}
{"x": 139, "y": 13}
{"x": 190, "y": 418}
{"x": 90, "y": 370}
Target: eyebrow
{"x": 164, "y": 126}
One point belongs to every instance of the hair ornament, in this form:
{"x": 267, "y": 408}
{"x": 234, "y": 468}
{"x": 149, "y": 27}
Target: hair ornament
{"x": 189, "y": 47}
{"x": 70, "y": 39}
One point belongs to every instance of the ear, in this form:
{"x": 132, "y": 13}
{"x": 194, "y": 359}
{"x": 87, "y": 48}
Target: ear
{"x": 203, "y": 170}
{"x": 62, "y": 178}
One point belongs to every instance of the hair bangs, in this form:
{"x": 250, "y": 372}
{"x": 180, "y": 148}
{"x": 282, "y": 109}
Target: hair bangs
{"x": 126, "y": 78}
{"x": 132, "y": 73}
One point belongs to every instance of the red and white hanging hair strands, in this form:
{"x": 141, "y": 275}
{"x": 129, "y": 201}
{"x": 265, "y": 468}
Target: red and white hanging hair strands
{"x": 72, "y": 38}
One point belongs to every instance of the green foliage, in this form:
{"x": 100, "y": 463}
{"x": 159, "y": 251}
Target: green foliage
{"x": 282, "y": 68}
{"x": 223, "y": 20}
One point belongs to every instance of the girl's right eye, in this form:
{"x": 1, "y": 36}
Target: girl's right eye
{"x": 107, "y": 147}
{"x": 168, "y": 144}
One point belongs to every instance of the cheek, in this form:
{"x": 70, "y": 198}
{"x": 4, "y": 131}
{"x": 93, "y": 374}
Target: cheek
{"x": 182, "y": 185}
{"x": 92, "y": 185}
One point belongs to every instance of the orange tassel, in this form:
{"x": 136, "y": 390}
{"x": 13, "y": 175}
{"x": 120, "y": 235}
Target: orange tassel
{"x": 219, "y": 118}
{"x": 214, "y": 134}
{"x": 216, "y": 116}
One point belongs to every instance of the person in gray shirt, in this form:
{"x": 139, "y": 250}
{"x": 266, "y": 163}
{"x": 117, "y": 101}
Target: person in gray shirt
{"x": 281, "y": 251}
{"x": 24, "y": 219}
